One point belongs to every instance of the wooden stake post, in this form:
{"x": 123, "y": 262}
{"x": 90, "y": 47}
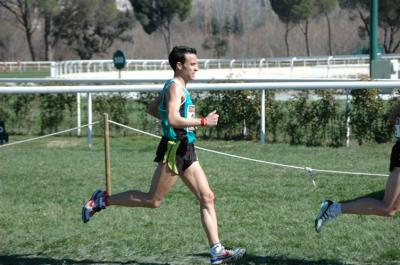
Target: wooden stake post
{"x": 107, "y": 153}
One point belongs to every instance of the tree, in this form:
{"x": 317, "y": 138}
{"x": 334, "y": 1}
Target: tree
{"x": 218, "y": 39}
{"x": 292, "y": 13}
{"x": 325, "y": 7}
{"x": 92, "y": 26}
{"x": 305, "y": 11}
{"x": 4, "y": 41}
{"x": 389, "y": 20}
{"x": 25, "y": 13}
{"x": 48, "y": 11}
{"x": 158, "y": 15}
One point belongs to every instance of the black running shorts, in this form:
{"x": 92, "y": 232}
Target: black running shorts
{"x": 395, "y": 156}
{"x": 179, "y": 158}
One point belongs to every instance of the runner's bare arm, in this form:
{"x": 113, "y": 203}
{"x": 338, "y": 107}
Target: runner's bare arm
{"x": 152, "y": 109}
{"x": 174, "y": 100}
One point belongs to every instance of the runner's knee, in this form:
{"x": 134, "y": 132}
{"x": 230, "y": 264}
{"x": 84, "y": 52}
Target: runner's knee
{"x": 390, "y": 211}
{"x": 207, "y": 198}
{"x": 155, "y": 203}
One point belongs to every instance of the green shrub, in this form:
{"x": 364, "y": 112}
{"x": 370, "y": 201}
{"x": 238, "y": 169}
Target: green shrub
{"x": 301, "y": 120}
{"x": 52, "y": 108}
{"x": 239, "y": 113}
{"x": 366, "y": 115}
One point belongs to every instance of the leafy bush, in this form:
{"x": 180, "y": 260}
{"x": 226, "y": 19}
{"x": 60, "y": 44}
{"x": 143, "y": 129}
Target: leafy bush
{"x": 238, "y": 113}
{"x": 276, "y": 113}
{"x": 366, "y": 114}
{"x": 301, "y": 120}
{"x": 300, "y": 113}
{"x": 115, "y": 105}
{"x": 52, "y": 108}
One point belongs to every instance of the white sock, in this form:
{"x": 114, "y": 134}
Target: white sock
{"x": 216, "y": 248}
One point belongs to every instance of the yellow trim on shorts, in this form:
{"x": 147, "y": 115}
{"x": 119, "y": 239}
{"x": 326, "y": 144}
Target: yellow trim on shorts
{"x": 170, "y": 155}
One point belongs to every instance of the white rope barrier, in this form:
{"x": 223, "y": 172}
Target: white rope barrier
{"x": 133, "y": 129}
{"x": 48, "y": 135}
{"x": 307, "y": 169}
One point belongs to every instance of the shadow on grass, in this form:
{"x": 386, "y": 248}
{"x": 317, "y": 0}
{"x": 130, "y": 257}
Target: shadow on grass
{"x": 29, "y": 259}
{"x": 378, "y": 195}
{"x": 250, "y": 259}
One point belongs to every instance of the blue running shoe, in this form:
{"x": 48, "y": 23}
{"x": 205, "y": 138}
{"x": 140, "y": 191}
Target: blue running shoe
{"x": 325, "y": 215}
{"x": 227, "y": 255}
{"x": 95, "y": 204}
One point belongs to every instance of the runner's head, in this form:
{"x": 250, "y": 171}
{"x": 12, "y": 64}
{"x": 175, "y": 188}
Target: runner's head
{"x": 177, "y": 55}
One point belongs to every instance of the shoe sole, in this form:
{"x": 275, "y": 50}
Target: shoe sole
{"x": 85, "y": 215}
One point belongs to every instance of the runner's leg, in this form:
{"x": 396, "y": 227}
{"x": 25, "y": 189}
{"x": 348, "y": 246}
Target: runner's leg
{"x": 162, "y": 182}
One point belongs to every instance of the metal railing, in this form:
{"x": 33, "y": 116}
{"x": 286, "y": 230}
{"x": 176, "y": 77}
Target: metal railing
{"x": 24, "y": 65}
{"x": 63, "y": 68}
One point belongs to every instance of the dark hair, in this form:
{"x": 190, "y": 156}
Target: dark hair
{"x": 178, "y": 55}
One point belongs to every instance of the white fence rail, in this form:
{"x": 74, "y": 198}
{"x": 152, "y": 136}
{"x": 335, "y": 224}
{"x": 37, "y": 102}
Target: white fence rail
{"x": 153, "y": 80}
{"x": 89, "y": 66}
{"x": 23, "y": 66}
{"x": 381, "y": 84}
{"x": 79, "y": 66}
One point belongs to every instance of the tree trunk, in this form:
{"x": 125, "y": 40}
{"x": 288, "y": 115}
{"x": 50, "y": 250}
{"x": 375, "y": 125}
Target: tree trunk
{"x": 30, "y": 44}
{"x": 306, "y": 39}
{"x": 47, "y": 46}
{"x": 207, "y": 18}
{"x": 328, "y": 21}
{"x": 165, "y": 30}
{"x": 365, "y": 20}
{"x": 28, "y": 33}
{"x": 286, "y": 40}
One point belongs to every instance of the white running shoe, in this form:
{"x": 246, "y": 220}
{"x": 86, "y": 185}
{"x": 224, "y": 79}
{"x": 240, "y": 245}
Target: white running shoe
{"x": 227, "y": 255}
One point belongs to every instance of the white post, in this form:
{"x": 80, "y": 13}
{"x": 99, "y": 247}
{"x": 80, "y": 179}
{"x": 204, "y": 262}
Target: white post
{"x": 53, "y": 69}
{"x": 260, "y": 65}
{"x": 347, "y": 118}
{"x": 206, "y": 62}
{"x": 231, "y": 64}
{"x": 89, "y": 106}
{"x": 328, "y": 66}
{"x": 262, "y": 131}
{"x": 292, "y": 66}
{"x": 78, "y": 113}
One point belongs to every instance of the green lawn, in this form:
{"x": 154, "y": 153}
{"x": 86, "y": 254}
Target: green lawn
{"x": 25, "y": 74}
{"x": 267, "y": 209}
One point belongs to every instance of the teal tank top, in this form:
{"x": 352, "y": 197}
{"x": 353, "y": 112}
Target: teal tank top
{"x": 186, "y": 110}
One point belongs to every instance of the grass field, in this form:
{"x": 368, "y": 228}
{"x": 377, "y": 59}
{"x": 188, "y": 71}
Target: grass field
{"x": 267, "y": 209}
{"x": 25, "y": 74}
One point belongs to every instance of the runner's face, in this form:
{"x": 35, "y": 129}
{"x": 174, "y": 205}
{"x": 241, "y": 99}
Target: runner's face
{"x": 190, "y": 67}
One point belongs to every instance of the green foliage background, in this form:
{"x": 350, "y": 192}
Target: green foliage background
{"x": 309, "y": 118}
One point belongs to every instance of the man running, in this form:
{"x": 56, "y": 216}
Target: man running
{"x": 370, "y": 206}
{"x": 176, "y": 156}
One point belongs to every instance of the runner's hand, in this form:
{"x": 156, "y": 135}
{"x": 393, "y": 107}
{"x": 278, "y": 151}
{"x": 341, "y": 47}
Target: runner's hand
{"x": 212, "y": 119}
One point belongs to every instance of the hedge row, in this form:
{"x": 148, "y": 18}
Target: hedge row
{"x": 301, "y": 120}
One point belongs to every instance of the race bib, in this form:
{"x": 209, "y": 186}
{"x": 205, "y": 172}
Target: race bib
{"x": 191, "y": 115}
